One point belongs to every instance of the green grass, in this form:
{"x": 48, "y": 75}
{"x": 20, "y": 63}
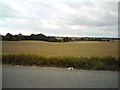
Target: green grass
{"x": 86, "y": 63}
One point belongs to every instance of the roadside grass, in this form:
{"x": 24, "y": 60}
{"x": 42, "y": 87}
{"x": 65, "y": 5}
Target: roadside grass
{"x": 86, "y": 63}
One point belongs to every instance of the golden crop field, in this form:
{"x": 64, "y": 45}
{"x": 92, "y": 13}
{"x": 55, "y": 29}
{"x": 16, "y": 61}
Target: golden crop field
{"x": 83, "y": 48}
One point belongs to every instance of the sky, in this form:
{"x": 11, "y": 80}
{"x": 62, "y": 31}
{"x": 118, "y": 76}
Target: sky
{"x": 73, "y": 18}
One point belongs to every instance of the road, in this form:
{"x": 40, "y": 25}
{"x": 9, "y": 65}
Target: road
{"x": 49, "y": 77}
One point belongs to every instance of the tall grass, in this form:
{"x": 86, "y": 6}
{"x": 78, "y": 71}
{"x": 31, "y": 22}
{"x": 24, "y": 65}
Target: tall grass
{"x": 86, "y": 63}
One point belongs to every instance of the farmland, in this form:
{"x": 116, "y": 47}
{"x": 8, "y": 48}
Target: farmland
{"x": 82, "y": 55}
{"x": 48, "y": 49}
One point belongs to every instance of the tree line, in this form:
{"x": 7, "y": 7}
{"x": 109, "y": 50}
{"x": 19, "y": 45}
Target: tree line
{"x": 42, "y": 37}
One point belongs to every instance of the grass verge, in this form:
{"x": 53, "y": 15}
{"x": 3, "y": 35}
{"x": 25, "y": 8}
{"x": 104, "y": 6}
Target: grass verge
{"x": 86, "y": 63}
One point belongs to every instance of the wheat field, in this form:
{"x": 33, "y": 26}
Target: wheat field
{"x": 53, "y": 49}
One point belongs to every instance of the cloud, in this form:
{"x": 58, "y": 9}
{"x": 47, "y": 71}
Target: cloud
{"x": 7, "y": 11}
{"x": 59, "y": 17}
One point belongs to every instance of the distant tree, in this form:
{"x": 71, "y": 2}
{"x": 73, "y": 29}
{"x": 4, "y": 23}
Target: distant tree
{"x": 18, "y": 37}
{"x": 66, "y": 39}
{"x": 41, "y": 37}
{"x": 9, "y": 37}
{"x": 33, "y": 37}
{"x": 99, "y": 39}
{"x": 52, "y": 39}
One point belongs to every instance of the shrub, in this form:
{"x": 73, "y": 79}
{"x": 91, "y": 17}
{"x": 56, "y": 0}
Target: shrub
{"x": 91, "y": 63}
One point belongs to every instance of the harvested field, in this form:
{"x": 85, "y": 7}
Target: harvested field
{"x": 86, "y": 49}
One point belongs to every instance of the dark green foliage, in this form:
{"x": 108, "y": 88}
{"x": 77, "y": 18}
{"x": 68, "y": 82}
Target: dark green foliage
{"x": 66, "y": 39}
{"x": 91, "y": 63}
{"x": 42, "y": 37}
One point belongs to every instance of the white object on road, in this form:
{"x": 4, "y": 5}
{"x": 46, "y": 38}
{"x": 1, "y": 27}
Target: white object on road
{"x": 70, "y": 68}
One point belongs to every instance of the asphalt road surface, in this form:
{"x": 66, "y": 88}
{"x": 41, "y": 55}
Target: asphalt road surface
{"x": 48, "y": 77}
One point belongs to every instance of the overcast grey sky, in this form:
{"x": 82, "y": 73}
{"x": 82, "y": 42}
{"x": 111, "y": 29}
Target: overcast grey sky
{"x": 59, "y": 17}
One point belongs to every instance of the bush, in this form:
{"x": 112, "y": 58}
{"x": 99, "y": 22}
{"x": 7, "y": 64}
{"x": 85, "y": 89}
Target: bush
{"x": 91, "y": 63}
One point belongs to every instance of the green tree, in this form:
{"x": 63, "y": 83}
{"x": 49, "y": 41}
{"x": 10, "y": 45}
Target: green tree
{"x": 9, "y": 37}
